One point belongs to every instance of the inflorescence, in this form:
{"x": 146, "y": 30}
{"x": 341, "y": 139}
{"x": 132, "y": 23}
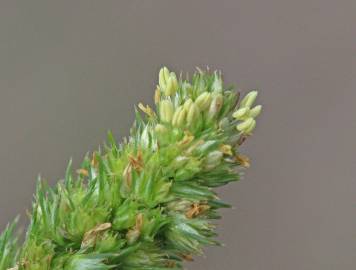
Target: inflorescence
{"x": 147, "y": 203}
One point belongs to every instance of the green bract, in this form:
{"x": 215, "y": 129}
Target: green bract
{"x": 147, "y": 203}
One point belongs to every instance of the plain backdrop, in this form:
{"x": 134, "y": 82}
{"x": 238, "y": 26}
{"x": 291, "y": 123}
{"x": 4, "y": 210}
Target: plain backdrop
{"x": 71, "y": 70}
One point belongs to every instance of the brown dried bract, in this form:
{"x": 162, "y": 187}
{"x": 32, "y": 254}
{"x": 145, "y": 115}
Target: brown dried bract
{"x": 242, "y": 140}
{"x": 139, "y": 221}
{"x": 187, "y": 257}
{"x": 226, "y": 149}
{"x": 137, "y": 162}
{"x": 91, "y": 235}
{"x": 157, "y": 95}
{"x": 127, "y": 175}
{"x": 196, "y": 210}
{"x": 83, "y": 172}
{"x": 194, "y": 146}
{"x": 243, "y": 160}
{"x": 146, "y": 109}
{"x": 187, "y": 139}
{"x": 94, "y": 160}
{"x": 170, "y": 264}
{"x": 133, "y": 234}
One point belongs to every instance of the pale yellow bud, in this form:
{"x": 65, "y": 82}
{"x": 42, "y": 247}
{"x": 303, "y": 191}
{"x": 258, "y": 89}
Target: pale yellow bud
{"x": 203, "y": 101}
{"x": 187, "y": 104}
{"x": 163, "y": 77}
{"x": 215, "y": 105}
{"x": 251, "y": 127}
{"x": 179, "y": 116}
{"x": 168, "y": 82}
{"x": 247, "y": 126}
{"x": 166, "y": 111}
{"x": 249, "y": 99}
{"x": 166, "y": 73}
{"x": 193, "y": 114}
{"x": 169, "y": 90}
{"x": 172, "y": 85}
{"x": 175, "y": 115}
{"x": 255, "y": 111}
{"x": 241, "y": 114}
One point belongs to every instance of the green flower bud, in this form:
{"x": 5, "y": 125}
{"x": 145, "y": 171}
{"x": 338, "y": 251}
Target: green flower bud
{"x": 179, "y": 116}
{"x": 179, "y": 161}
{"x": 107, "y": 243}
{"x": 193, "y": 114}
{"x": 181, "y": 205}
{"x": 166, "y": 111}
{"x": 241, "y": 114}
{"x": 203, "y": 101}
{"x": 255, "y": 111}
{"x": 215, "y": 105}
{"x": 76, "y": 261}
{"x": 224, "y": 123}
{"x": 217, "y": 85}
{"x": 246, "y": 126}
{"x": 213, "y": 159}
{"x": 234, "y": 139}
{"x": 125, "y": 215}
{"x": 188, "y": 170}
{"x": 187, "y": 87}
{"x": 249, "y": 99}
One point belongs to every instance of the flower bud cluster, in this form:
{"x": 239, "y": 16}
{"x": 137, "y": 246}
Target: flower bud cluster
{"x": 189, "y": 113}
{"x": 168, "y": 82}
{"x": 246, "y": 115}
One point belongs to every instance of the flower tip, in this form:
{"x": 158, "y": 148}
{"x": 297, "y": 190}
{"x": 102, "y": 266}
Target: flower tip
{"x": 247, "y": 126}
{"x": 255, "y": 111}
{"x": 240, "y": 113}
{"x": 249, "y": 99}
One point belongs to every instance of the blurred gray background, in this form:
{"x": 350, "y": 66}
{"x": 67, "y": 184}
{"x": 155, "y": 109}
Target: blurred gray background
{"x": 71, "y": 70}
